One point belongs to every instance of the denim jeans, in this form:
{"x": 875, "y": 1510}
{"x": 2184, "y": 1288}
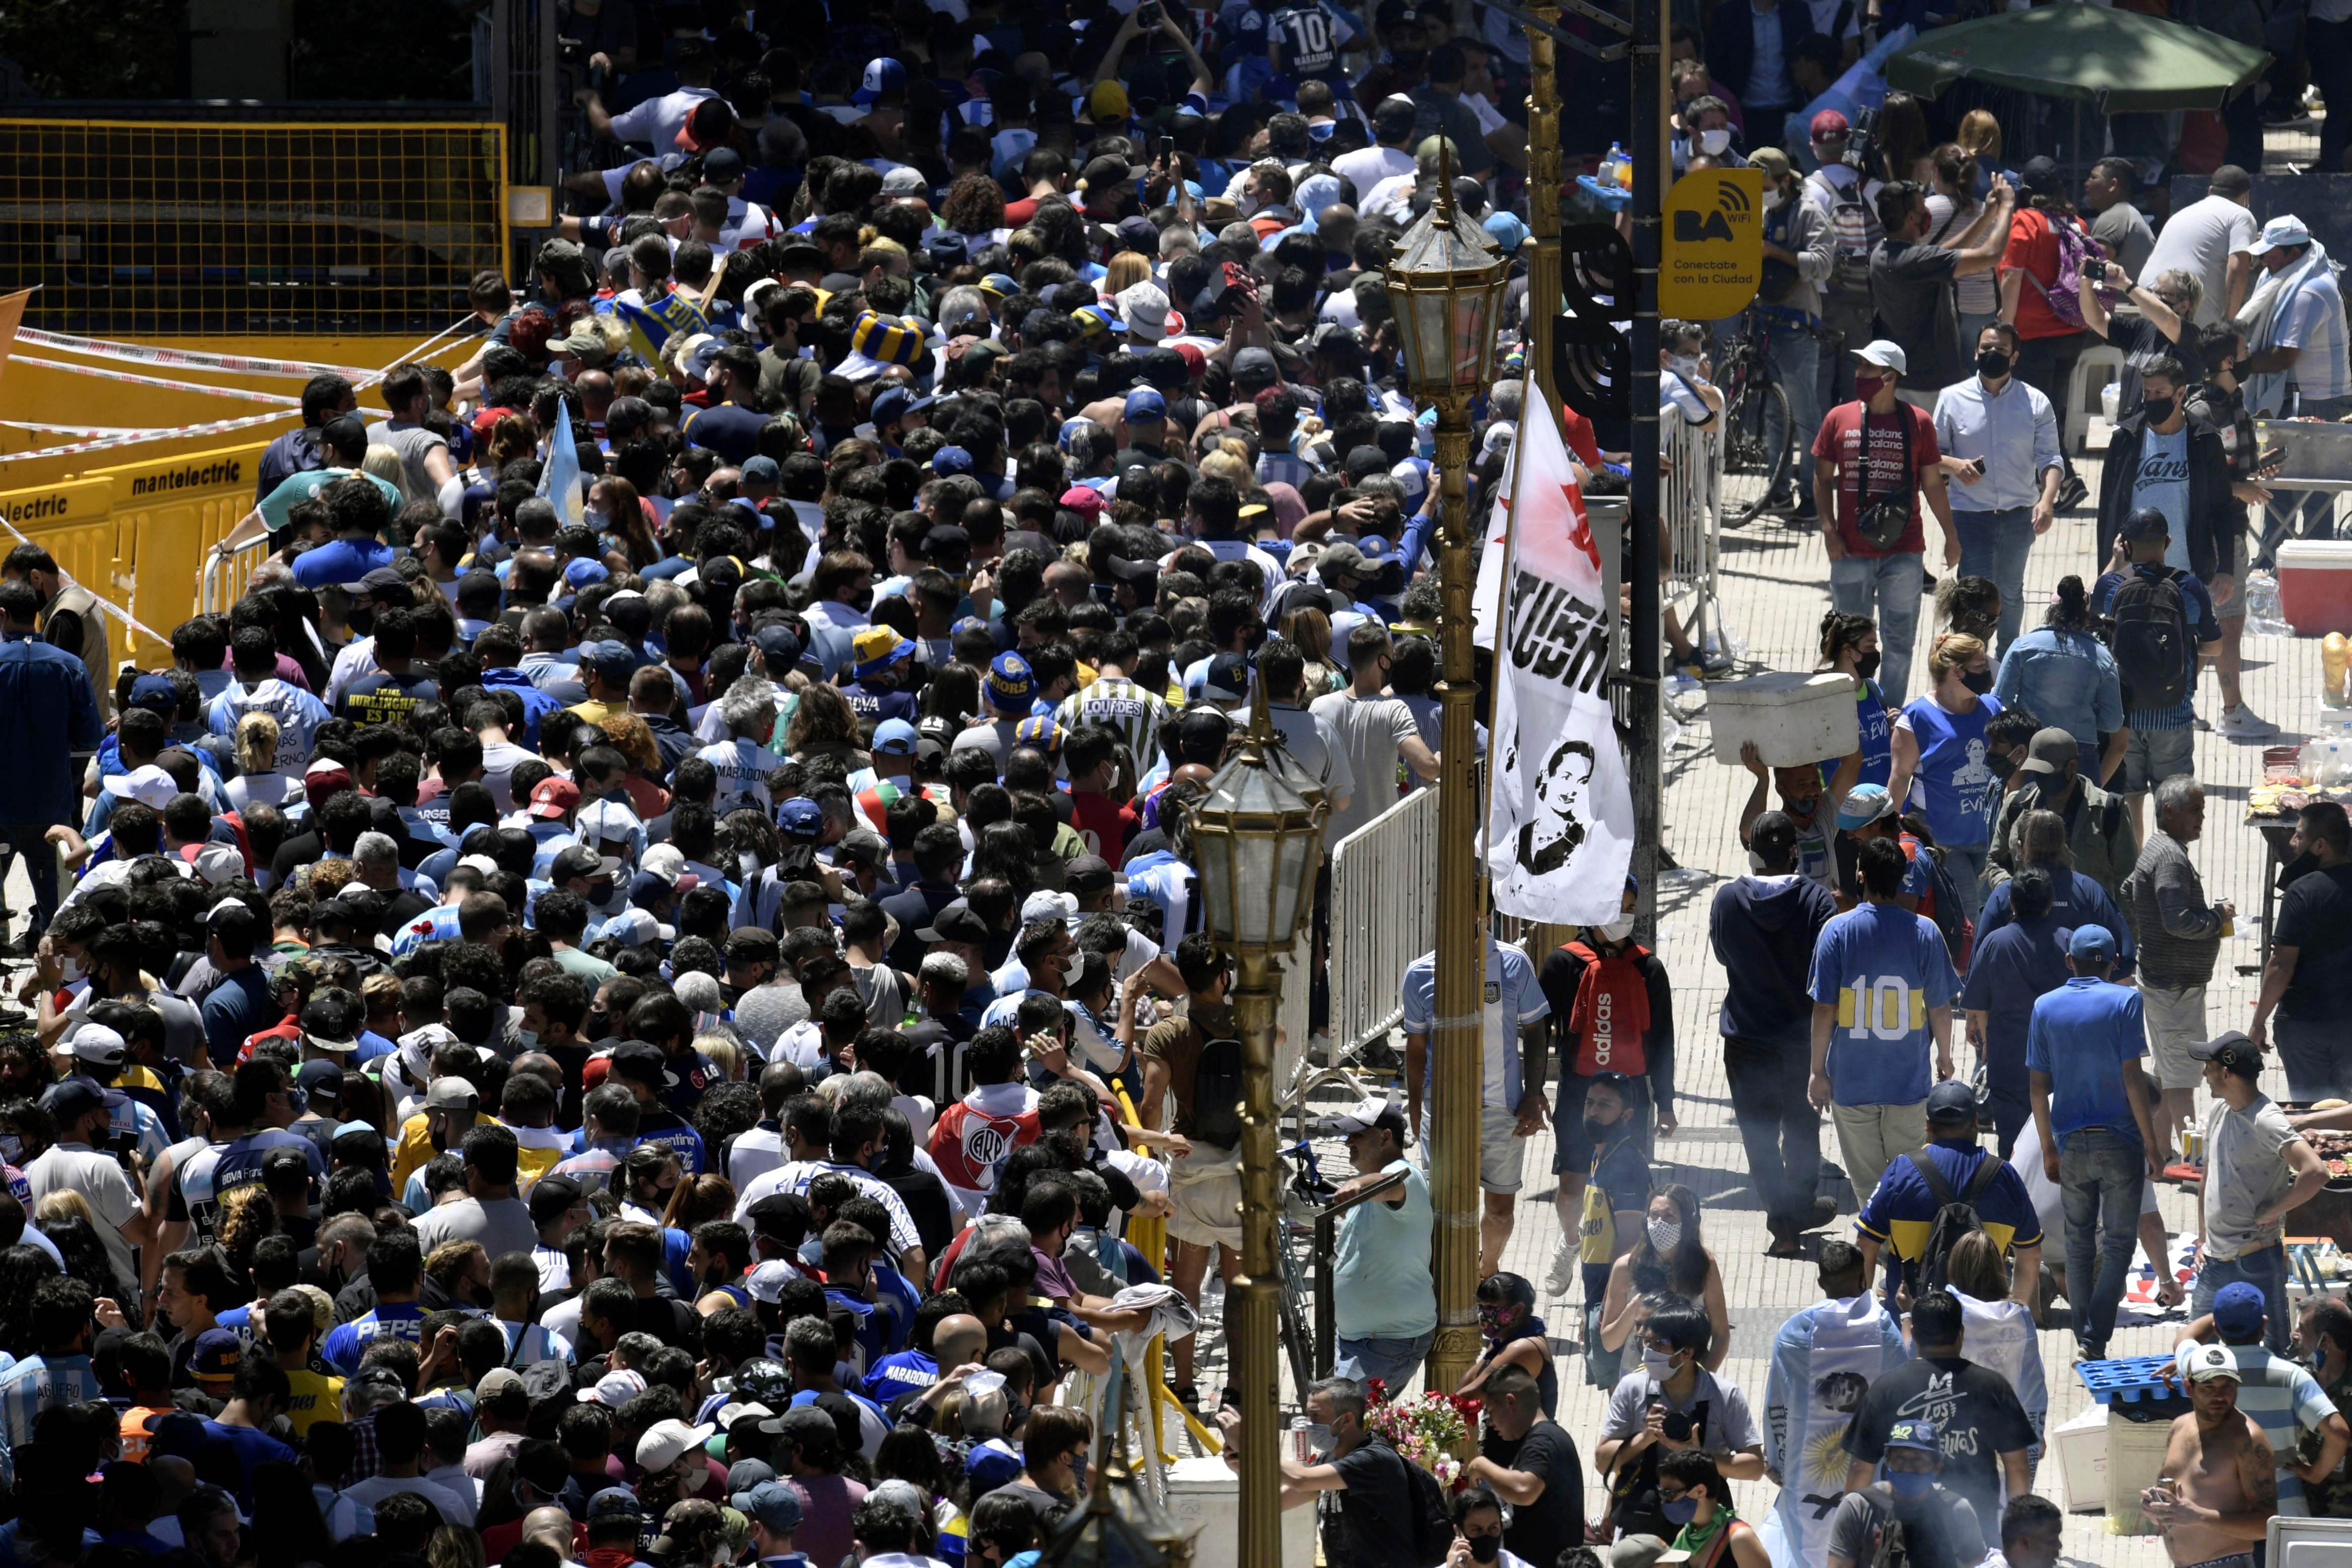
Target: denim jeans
{"x": 2100, "y": 1174}
{"x": 1781, "y": 1132}
{"x": 1994, "y": 545}
{"x": 1966, "y": 862}
{"x": 2318, "y": 1056}
{"x": 1885, "y": 588}
{"x": 2265, "y": 1270}
{"x": 1796, "y": 362}
{"x": 1392, "y": 1361}
{"x": 2310, "y": 514}
{"x": 2047, "y": 364}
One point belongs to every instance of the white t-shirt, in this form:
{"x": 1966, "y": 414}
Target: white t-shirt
{"x": 1367, "y": 166}
{"x": 2199, "y": 239}
{"x": 657, "y": 122}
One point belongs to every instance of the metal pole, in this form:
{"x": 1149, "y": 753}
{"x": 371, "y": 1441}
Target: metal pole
{"x": 1644, "y": 637}
{"x": 1251, "y": 1319}
{"x": 1327, "y": 1312}
{"x": 1543, "y": 194}
{"x": 1457, "y": 1038}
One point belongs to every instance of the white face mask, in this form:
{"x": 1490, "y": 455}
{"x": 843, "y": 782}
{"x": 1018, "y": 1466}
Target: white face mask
{"x": 70, "y": 967}
{"x": 1684, "y": 365}
{"x": 1773, "y": 199}
{"x": 1618, "y": 929}
{"x": 1713, "y": 142}
{"x": 1665, "y": 1235}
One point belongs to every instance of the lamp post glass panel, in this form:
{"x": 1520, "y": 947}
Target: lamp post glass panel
{"x": 1445, "y": 287}
{"x": 1258, "y": 840}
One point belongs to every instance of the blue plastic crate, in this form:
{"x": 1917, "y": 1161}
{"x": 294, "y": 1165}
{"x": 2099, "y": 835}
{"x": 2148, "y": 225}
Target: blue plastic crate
{"x": 2128, "y": 1378}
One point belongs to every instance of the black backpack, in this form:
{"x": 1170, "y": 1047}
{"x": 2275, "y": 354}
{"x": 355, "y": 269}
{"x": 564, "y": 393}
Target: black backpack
{"x": 1955, "y": 1217}
{"x": 1432, "y": 1522}
{"x": 2149, "y": 617}
{"x": 1951, "y": 917}
{"x": 1217, "y": 1101}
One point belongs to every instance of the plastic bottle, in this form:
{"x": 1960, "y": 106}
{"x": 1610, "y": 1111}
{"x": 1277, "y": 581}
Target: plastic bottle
{"x": 2334, "y": 656}
{"x": 2307, "y": 763}
{"x": 1617, "y": 168}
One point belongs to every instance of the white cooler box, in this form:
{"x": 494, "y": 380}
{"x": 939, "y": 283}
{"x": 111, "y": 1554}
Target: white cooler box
{"x": 1794, "y": 719}
{"x": 1204, "y": 1499}
{"x": 2314, "y": 579}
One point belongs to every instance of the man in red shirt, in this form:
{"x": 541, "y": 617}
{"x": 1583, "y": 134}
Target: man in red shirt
{"x": 1873, "y": 460}
{"x": 1103, "y": 820}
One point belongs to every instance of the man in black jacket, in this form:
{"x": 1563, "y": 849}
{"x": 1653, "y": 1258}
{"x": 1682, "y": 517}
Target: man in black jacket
{"x": 2130, "y": 480}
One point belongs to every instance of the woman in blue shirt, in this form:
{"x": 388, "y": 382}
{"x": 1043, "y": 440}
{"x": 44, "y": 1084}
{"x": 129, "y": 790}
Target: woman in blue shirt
{"x": 2064, "y": 673}
{"x": 1939, "y": 760}
{"x": 1850, "y": 646}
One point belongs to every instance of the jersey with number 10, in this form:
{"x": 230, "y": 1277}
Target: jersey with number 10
{"x": 1883, "y": 968}
{"x": 1310, "y": 38}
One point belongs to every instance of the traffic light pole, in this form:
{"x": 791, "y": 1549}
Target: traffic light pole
{"x": 1645, "y": 638}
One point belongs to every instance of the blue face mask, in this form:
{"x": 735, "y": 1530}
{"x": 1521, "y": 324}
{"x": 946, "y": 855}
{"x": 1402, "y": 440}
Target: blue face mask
{"x": 1680, "y": 1510}
{"x": 1910, "y": 1483}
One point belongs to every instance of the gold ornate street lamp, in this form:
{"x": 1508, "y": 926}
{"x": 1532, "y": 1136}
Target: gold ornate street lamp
{"x": 1258, "y": 840}
{"x": 1445, "y": 290}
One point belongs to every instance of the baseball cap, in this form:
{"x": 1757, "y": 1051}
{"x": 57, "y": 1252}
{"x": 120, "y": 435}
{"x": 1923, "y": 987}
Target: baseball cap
{"x": 767, "y": 1281}
{"x": 2232, "y": 1050}
{"x": 891, "y": 403}
{"x": 555, "y": 1195}
{"x": 2284, "y": 230}
{"x": 1828, "y": 125}
{"x": 2202, "y": 1364}
{"x": 771, "y": 1503}
{"x": 1084, "y": 873}
{"x": 666, "y": 1442}
{"x": 616, "y": 1503}
{"x": 157, "y": 692}
{"x": 881, "y": 76}
{"x": 956, "y": 921}
{"x": 2239, "y": 1308}
{"x": 497, "y": 1380}
{"x": 951, "y": 460}
{"x": 452, "y": 1094}
{"x": 876, "y": 649}
{"x": 895, "y": 737}
{"x": 988, "y": 1469}
{"x": 1951, "y": 1101}
{"x": 1106, "y": 101}
{"x": 2049, "y": 752}
{"x": 1886, "y": 354}
{"x": 607, "y": 657}
{"x": 71, "y": 1099}
{"x": 1144, "y": 407}
{"x": 217, "y": 1355}
{"x": 761, "y": 470}
{"x": 667, "y": 863}
{"x": 614, "y": 1390}
{"x": 1367, "y": 1113}
{"x": 1045, "y": 904}
{"x": 148, "y": 786}
{"x": 946, "y": 539}
{"x": 2091, "y": 944}
{"x": 1863, "y": 805}
{"x": 801, "y": 817}
{"x": 641, "y": 1062}
{"x": 321, "y": 1080}
{"x": 2145, "y": 526}
{"x": 551, "y": 797}
{"x": 2042, "y": 174}
{"x": 745, "y": 1474}
{"x": 1227, "y": 680}
{"x": 1916, "y": 1432}
{"x": 1772, "y": 836}
{"x": 97, "y": 1043}
{"x": 778, "y": 646}
{"x": 905, "y": 179}
{"x": 1010, "y": 683}
{"x": 1040, "y": 732}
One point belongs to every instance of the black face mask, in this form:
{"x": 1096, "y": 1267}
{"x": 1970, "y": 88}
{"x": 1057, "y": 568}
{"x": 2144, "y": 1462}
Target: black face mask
{"x": 1866, "y": 665}
{"x": 361, "y": 622}
{"x": 2158, "y": 409}
{"x": 1992, "y": 364}
{"x": 1485, "y": 1548}
{"x": 1598, "y": 1129}
{"x": 1978, "y": 680}
{"x": 2001, "y": 766}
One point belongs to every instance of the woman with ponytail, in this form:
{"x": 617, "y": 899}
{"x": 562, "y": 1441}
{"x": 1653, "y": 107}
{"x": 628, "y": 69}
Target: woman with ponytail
{"x": 1850, "y": 646}
{"x": 2065, "y": 673}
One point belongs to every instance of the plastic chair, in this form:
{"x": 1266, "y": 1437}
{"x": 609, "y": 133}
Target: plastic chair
{"x": 2096, "y": 367}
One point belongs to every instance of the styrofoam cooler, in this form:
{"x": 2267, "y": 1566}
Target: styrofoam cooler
{"x": 1204, "y": 1499}
{"x": 2081, "y": 1446}
{"x": 2314, "y": 579}
{"x": 1793, "y": 718}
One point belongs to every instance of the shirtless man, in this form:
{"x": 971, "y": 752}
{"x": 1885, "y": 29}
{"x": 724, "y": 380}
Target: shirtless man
{"x": 2224, "y": 1485}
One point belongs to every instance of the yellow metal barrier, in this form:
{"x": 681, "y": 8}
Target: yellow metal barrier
{"x": 1150, "y": 1239}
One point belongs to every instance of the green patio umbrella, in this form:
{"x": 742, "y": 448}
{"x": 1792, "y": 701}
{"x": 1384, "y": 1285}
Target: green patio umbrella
{"x": 2120, "y": 60}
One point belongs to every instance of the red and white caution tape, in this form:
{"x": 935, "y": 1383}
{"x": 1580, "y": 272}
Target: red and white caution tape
{"x": 135, "y": 437}
{"x": 236, "y": 392}
{"x": 197, "y": 359}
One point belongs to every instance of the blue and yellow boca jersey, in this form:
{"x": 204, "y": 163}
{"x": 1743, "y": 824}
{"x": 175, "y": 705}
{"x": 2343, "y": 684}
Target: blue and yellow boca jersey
{"x": 656, "y": 321}
{"x": 1903, "y": 1210}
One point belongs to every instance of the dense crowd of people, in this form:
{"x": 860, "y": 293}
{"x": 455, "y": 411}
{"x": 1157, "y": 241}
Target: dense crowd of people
{"x": 635, "y": 996}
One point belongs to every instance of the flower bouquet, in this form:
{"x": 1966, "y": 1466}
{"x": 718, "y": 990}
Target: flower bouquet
{"x": 1430, "y": 1430}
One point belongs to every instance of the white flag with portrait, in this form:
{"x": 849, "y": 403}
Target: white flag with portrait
{"x": 1559, "y": 817}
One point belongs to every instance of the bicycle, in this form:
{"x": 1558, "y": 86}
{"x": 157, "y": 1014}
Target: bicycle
{"x": 1755, "y": 406}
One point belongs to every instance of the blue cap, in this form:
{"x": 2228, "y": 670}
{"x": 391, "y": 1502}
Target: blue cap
{"x": 762, "y": 470}
{"x": 2091, "y": 944}
{"x": 1863, "y": 805}
{"x": 801, "y": 817}
{"x": 1010, "y": 683}
{"x": 770, "y": 1503}
{"x": 155, "y": 691}
{"x": 988, "y": 1469}
{"x": 780, "y": 648}
{"x": 585, "y": 571}
{"x": 615, "y": 1502}
{"x": 881, "y": 76}
{"x": 1924, "y": 1436}
{"x": 896, "y": 737}
{"x": 2238, "y": 1309}
{"x": 1372, "y": 547}
{"x": 889, "y": 405}
{"x": 1144, "y": 405}
{"x": 609, "y": 658}
{"x": 951, "y": 460}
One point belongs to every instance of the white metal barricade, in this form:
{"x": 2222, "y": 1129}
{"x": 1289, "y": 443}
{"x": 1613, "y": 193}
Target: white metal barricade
{"x": 1383, "y": 913}
{"x": 1693, "y": 510}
